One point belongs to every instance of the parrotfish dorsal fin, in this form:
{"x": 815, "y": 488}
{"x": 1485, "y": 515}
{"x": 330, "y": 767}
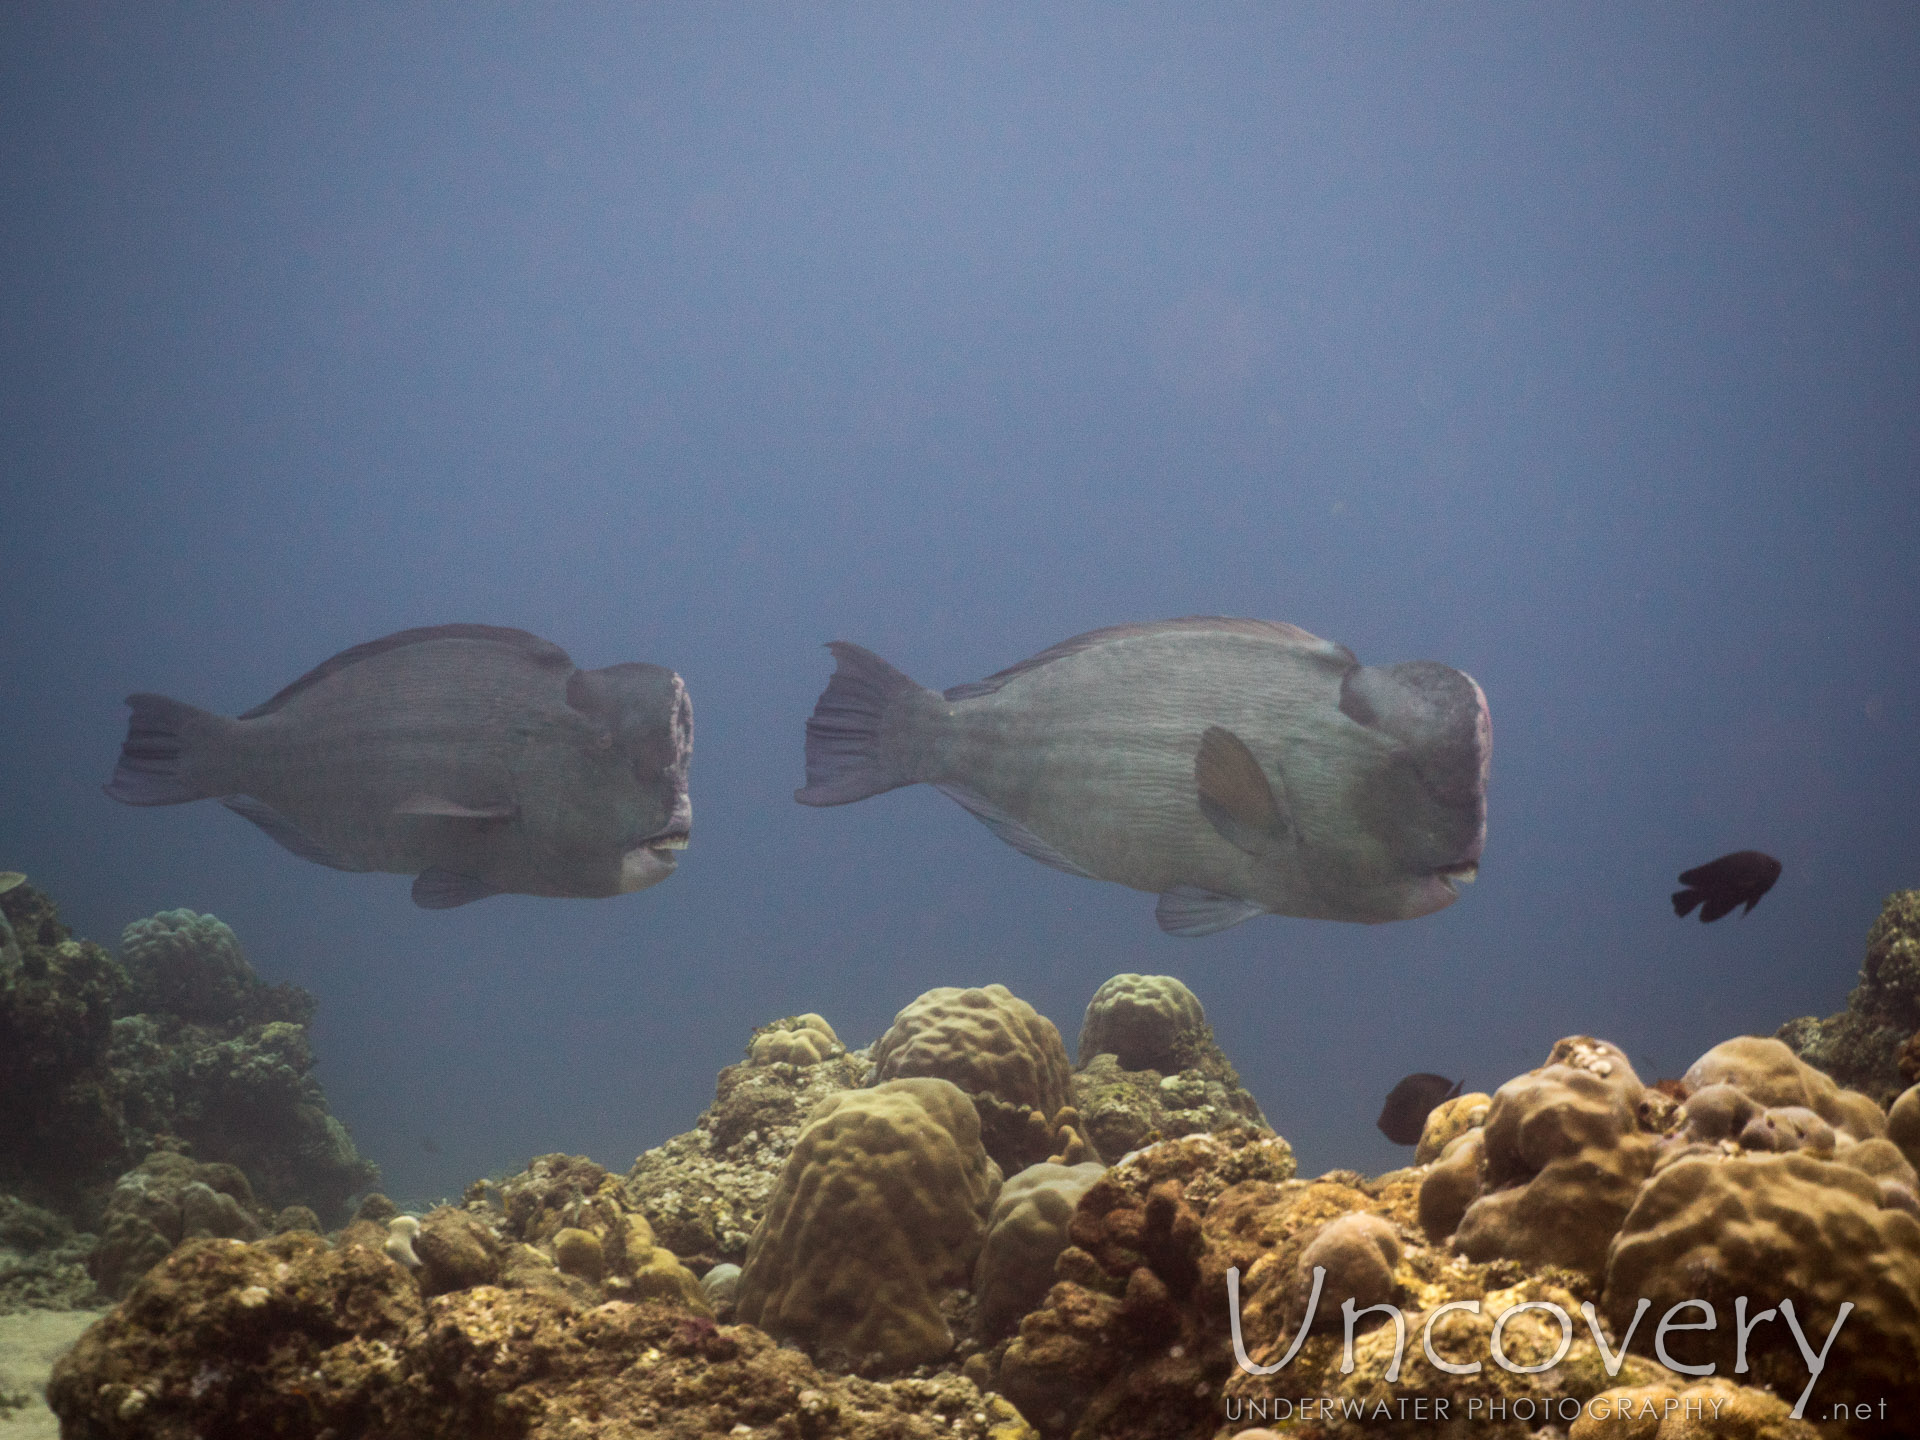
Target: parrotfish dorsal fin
{"x": 1236, "y": 796}
{"x": 543, "y": 653}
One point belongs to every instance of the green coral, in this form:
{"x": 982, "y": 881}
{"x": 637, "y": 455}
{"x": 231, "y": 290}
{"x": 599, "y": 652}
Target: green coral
{"x": 183, "y": 1045}
{"x": 1860, "y": 1046}
{"x": 190, "y": 966}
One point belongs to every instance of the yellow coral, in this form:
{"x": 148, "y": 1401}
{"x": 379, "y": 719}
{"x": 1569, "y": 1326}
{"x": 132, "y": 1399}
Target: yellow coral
{"x": 1563, "y": 1161}
{"x": 802, "y": 1040}
{"x": 1711, "y": 1227}
{"x": 881, "y": 1206}
{"x": 985, "y": 1040}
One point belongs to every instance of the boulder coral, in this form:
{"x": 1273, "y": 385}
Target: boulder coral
{"x": 1903, "y": 1125}
{"x": 1713, "y": 1409}
{"x": 1770, "y": 1074}
{"x": 799, "y": 1040}
{"x": 1150, "y": 1022}
{"x": 1563, "y": 1160}
{"x": 1448, "y": 1121}
{"x": 879, "y": 1210}
{"x": 190, "y": 966}
{"x": 1026, "y": 1232}
{"x": 164, "y": 1201}
{"x": 1006, "y": 1056}
{"x": 1776, "y": 1228}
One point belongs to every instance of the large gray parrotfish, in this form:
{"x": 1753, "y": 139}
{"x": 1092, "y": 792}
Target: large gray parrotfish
{"x": 1233, "y": 767}
{"x": 477, "y": 758}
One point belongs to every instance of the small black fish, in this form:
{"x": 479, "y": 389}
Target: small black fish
{"x": 1745, "y": 875}
{"x": 1409, "y": 1103}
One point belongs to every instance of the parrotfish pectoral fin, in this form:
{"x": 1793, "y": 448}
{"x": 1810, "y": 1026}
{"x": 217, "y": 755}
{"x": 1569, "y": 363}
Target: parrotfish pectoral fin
{"x": 285, "y": 833}
{"x": 436, "y": 889}
{"x": 1190, "y": 912}
{"x": 1236, "y": 796}
{"x": 1010, "y": 830}
{"x": 422, "y": 803}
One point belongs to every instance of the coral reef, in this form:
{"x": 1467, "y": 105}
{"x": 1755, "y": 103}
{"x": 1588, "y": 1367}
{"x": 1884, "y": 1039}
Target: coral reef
{"x": 1862, "y": 1046}
{"x": 1004, "y": 1054}
{"x": 99, "y": 1071}
{"x": 881, "y": 1206}
{"x": 43, "y": 1260}
{"x": 705, "y": 1190}
{"x": 1498, "y": 1282}
{"x": 289, "y": 1337}
{"x": 60, "y": 1130}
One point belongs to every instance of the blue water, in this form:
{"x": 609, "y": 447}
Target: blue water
{"x": 1577, "y": 349}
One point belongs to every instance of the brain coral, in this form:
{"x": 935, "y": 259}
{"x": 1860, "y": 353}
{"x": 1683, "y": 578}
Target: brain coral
{"x": 1563, "y": 1159}
{"x": 1771, "y": 1228}
{"x": 1149, "y": 1021}
{"x": 881, "y": 1206}
{"x": 995, "y": 1046}
{"x": 1025, "y": 1235}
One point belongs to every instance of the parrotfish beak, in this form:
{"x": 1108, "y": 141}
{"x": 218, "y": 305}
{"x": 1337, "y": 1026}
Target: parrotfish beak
{"x": 654, "y": 858}
{"x": 1454, "y": 876}
{"x": 651, "y": 861}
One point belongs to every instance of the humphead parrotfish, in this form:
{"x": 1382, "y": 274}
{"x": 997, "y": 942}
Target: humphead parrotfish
{"x": 1719, "y": 885}
{"x": 477, "y": 758}
{"x": 1233, "y": 767}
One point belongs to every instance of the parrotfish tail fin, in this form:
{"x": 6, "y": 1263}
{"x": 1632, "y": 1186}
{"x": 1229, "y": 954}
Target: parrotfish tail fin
{"x": 858, "y": 736}
{"x": 1684, "y": 901}
{"x": 162, "y": 760}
